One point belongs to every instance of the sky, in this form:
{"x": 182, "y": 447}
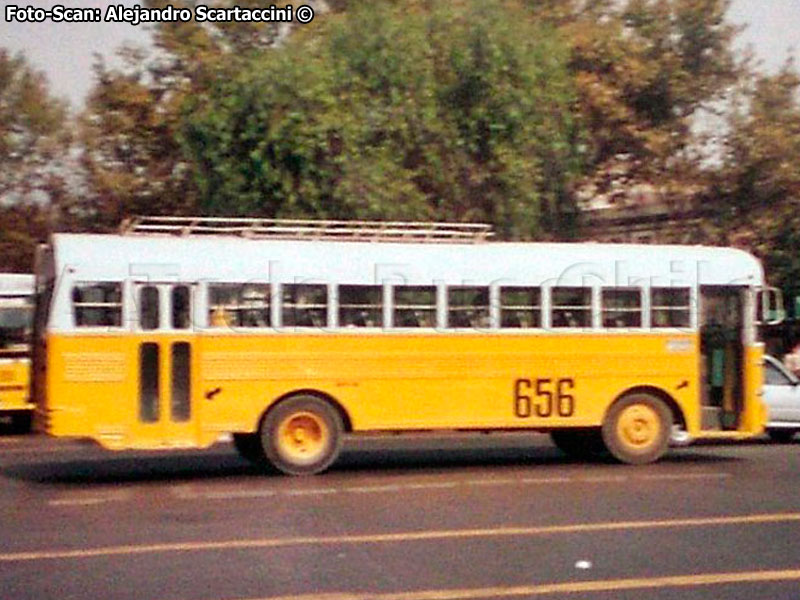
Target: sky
{"x": 65, "y": 52}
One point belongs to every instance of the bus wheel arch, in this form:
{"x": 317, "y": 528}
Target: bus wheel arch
{"x": 637, "y": 426}
{"x": 678, "y": 418}
{"x": 302, "y": 432}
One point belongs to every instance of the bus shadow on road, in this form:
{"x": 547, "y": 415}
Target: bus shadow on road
{"x": 141, "y": 468}
{"x": 392, "y": 457}
{"x": 424, "y": 461}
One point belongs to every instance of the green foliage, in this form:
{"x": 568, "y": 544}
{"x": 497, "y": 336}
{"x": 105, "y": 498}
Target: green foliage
{"x": 422, "y": 110}
{"x": 397, "y": 111}
{"x": 758, "y": 186}
{"x": 23, "y": 226}
{"x": 32, "y": 130}
{"x": 33, "y": 136}
{"x": 131, "y": 157}
{"x": 644, "y": 68}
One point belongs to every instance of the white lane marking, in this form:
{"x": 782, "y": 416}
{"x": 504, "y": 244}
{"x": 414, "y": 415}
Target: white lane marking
{"x": 604, "y": 479}
{"x": 84, "y": 500}
{"x": 431, "y": 486}
{"x": 317, "y": 492}
{"x": 77, "y": 502}
{"x": 678, "y": 476}
{"x": 541, "y": 480}
{"x": 189, "y": 493}
{"x": 491, "y": 481}
{"x": 372, "y": 489}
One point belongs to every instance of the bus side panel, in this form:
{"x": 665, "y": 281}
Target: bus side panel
{"x": 384, "y": 382}
{"x": 93, "y": 391}
{"x": 437, "y": 381}
{"x": 14, "y": 384}
{"x": 88, "y": 382}
{"x": 754, "y": 416}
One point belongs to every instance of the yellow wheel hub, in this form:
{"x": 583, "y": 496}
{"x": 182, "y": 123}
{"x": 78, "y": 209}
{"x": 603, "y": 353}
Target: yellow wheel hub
{"x": 303, "y": 437}
{"x": 638, "y": 427}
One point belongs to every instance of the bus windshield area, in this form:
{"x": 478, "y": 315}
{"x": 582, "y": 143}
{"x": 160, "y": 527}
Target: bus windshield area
{"x": 15, "y": 326}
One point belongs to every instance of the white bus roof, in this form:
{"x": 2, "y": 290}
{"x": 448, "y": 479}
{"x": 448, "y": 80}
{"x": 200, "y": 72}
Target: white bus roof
{"x": 16, "y": 284}
{"x": 99, "y": 257}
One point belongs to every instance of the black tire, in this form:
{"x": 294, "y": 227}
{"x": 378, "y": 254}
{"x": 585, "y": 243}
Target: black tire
{"x": 636, "y": 429}
{"x": 582, "y": 444}
{"x": 23, "y": 422}
{"x": 302, "y": 435}
{"x": 781, "y": 436}
{"x": 16, "y": 422}
{"x": 248, "y": 445}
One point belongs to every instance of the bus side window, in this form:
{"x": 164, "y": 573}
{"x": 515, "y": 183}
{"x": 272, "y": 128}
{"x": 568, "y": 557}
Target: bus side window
{"x": 149, "y": 309}
{"x": 181, "y": 307}
{"x": 239, "y": 305}
{"x": 97, "y": 304}
{"x": 670, "y": 307}
{"x": 520, "y": 307}
{"x": 305, "y": 305}
{"x": 360, "y": 306}
{"x": 622, "y": 308}
{"x": 467, "y": 306}
{"x": 572, "y": 306}
{"x": 414, "y": 306}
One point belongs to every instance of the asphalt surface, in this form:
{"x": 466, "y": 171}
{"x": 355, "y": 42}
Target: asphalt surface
{"x": 420, "y": 518}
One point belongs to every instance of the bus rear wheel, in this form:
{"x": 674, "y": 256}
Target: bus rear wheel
{"x": 636, "y": 429}
{"x": 302, "y": 435}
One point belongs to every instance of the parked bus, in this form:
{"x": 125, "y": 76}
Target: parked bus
{"x": 290, "y": 335}
{"x": 16, "y": 312}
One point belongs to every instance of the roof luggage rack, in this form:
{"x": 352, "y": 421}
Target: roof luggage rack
{"x": 308, "y": 229}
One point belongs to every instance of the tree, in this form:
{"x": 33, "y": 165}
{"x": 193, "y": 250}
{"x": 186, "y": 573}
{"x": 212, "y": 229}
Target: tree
{"x": 25, "y": 225}
{"x": 645, "y": 70}
{"x": 32, "y": 136}
{"x": 31, "y": 128}
{"x": 129, "y": 131}
{"x": 420, "y": 111}
{"x": 758, "y": 187}
{"x": 131, "y": 156}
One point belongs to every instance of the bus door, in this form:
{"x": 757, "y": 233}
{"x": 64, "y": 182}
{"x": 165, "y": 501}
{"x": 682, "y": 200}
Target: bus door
{"x": 722, "y": 327}
{"x": 165, "y": 355}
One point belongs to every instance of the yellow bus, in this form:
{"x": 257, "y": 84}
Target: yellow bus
{"x": 16, "y": 312}
{"x": 290, "y": 335}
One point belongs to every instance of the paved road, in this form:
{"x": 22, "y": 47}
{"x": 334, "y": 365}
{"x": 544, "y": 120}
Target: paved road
{"x": 482, "y": 517}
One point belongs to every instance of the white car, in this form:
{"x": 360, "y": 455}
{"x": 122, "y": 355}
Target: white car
{"x": 782, "y": 397}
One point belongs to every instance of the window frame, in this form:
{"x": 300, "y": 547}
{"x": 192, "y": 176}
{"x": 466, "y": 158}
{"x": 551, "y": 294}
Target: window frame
{"x": 376, "y": 308}
{"x": 481, "y": 311}
{"x": 604, "y": 310}
{"x": 238, "y": 307}
{"x": 588, "y": 309}
{"x": 534, "y": 309}
{"x": 140, "y": 303}
{"x": 433, "y": 308}
{"x": 671, "y": 308}
{"x": 76, "y": 306}
{"x": 295, "y": 306}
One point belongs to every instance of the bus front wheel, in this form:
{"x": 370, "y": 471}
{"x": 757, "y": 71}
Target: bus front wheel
{"x": 302, "y": 435}
{"x": 636, "y": 429}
